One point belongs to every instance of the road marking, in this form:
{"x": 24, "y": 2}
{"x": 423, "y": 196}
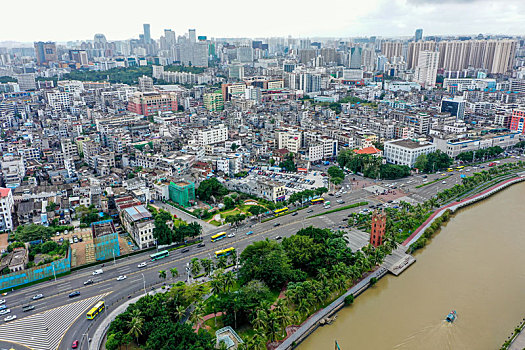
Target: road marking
{"x": 107, "y": 288}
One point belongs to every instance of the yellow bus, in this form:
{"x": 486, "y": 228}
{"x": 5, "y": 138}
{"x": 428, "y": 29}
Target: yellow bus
{"x": 218, "y": 236}
{"x": 224, "y": 252}
{"x": 460, "y": 167}
{"x": 450, "y": 169}
{"x": 317, "y": 201}
{"x": 95, "y": 310}
{"x": 277, "y": 212}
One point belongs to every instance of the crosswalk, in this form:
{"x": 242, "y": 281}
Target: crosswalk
{"x": 45, "y": 330}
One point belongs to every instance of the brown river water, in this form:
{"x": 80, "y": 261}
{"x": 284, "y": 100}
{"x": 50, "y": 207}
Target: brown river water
{"x": 475, "y": 265}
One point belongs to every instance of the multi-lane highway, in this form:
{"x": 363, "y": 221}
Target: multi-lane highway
{"x": 57, "y": 320}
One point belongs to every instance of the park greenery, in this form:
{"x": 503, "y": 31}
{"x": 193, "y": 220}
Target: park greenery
{"x": 371, "y": 166}
{"x": 305, "y": 195}
{"x": 337, "y": 174}
{"x": 126, "y": 75}
{"x": 157, "y": 322}
{"x": 5, "y": 79}
{"x": 211, "y": 189}
{"x": 169, "y": 230}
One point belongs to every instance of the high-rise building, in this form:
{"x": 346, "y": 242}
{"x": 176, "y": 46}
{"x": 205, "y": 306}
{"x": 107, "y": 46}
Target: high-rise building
{"x": 392, "y": 49}
{"x": 79, "y": 56}
{"x": 200, "y": 54}
{"x": 496, "y": 56}
{"x": 426, "y": 70}
{"x": 245, "y": 54}
{"x": 26, "y": 81}
{"x": 419, "y": 35}
{"x": 147, "y": 33}
{"x": 46, "y": 52}
{"x": 213, "y": 101}
{"x": 6, "y": 209}
{"x": 151, "y": 103}
{"x": 356, "y": 58}
{"x": 192, "y": 36}
{"x": 415, "y": 48}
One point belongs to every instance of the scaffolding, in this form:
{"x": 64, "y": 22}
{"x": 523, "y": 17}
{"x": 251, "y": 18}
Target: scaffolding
{"x": 182, "y": 193}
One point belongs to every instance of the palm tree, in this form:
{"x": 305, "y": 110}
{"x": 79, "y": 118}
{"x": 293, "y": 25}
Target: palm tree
{"x": 229, "y": 280}
{"x": 273, "y": 326}
{"x": 162, "y": 274}
{"x": 283, "y": 314}
{"x": 222, "y": 262}
{"x": 233, "y": 258}
{"x": 217, "y": 283}
{"x": 258, "y": 341}
{"x": 207, "y": 264}
{"x": 135, "y": 324}
{"x": 261, "y": 320}
{"x": 174, "y": 272}
{"x": 180, "y": 311}
{"x": 195, "y": 267}
{"x": 197, "y": 314}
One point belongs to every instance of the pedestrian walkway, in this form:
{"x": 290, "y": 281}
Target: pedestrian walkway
{"x": 45, "y": 330}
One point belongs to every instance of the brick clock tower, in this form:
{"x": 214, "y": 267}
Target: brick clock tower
{"x": 377, "y": 232}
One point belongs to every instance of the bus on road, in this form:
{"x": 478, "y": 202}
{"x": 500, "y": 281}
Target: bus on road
{"x": 277, "y": 212}
{"x": 218, "y": 236}
{"x": 159, "y": 255}
{"x": 317, "y": 201}
{"x": 224, "y": 252}
{"x": 95, "y": 310}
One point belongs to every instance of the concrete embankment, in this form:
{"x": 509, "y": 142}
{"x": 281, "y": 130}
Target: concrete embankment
{"x": 314, "y": 321}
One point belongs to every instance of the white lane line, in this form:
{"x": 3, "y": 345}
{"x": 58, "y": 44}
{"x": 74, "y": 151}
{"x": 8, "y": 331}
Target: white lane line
{"x": 138, "y": 279}
{"x": 107, "y": 288}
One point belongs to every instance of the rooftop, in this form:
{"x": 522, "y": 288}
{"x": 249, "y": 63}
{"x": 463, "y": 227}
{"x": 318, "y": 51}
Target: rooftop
{"x": 4, "y": 192}
{"x": 408, "y": 143}
{"x": 138, "y": 213}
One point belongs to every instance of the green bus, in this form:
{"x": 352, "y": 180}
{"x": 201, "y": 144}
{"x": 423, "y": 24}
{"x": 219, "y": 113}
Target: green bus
{"x": 159, "y": 255}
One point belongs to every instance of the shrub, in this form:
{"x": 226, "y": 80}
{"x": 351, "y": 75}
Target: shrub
{"x": 349, "y": 299}
{"x": 373, "y": 281}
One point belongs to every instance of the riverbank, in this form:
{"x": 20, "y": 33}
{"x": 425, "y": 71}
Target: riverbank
{"x": 311, "y": 324}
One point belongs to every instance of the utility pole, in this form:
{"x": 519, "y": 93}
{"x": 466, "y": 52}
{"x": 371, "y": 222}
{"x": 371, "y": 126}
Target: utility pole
{"x": 144, "y": 280}
{"x": 54, "y": 273}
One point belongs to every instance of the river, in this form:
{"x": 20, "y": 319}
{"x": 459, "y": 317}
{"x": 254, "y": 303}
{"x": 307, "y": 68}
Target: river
{"x": 475, "y": 265}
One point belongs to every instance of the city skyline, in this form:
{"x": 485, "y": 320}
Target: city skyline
{"x": 398, "y": 18}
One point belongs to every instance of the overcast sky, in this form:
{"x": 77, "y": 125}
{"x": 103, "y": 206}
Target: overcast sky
{"x": 63, "y": 20}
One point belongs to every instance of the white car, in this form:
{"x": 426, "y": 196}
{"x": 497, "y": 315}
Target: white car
{"x": 231, "y": 235}
{"x": 38, "y": 296}
{"x": 121, "y": 278}
{"x": 2, "y": 301}
{"x": 444, "y": 182}
{"x": 5, "y": 312}
{"x": 143, "y": 264}
{"x": 10, "y": 318}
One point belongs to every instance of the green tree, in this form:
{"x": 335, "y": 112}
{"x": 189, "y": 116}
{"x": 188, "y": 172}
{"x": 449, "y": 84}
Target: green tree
{"x": 265, "y": 261}
{"x": 136, "y": 324}
{"x": 421, "y": 163}
{"x": 195, "y": 266}
{"x": 162, "y": 274}
{"x": 174, "y": 272}
{"x": 228, "y": 203}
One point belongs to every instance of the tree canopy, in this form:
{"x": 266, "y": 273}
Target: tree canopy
{"x": 211, "y": 187}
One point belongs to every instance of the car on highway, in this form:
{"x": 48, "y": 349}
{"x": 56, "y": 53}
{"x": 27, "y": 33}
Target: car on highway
{"x": 5, "y": 312}
{"x": 443, "y": 182}
{"x": 74, "y": 294}
{"x": 38, "y": 296}
{"x": 142, "y": 264}
{"x": 121, "y": 277}
{"x": 231, "y": 235}
{"x": 277, "y": 224}
{"x": 3, "y": 307}
{"x": 2, "y": 301}
{"x": 74, "y": 345}
{"x": 98, "y": 272}
{"x": 278, "y": 237}
{"x": 249, "y": 233}
{"x": 89, "y": 281}
{"x": 27, "y": 308}
{"x": 185, "y": 250}
{"x": 310, "y": 211}
{"x": 201, "y": 244}
{"x": 295, "y": 213}
{"x": 10, "y": 318}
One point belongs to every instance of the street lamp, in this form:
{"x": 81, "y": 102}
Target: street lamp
{"x": 54, "y": 273}
{"x": 87, "y": 339}
{"x": 144, "y": 280}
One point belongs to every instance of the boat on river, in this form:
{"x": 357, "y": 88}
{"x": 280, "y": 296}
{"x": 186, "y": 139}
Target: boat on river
{"x": 451, "y": 317}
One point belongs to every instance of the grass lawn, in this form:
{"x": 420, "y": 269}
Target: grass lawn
{"x": 215, "y": 223}
{"x": 211, "y": 323}
{"x": 231, "y": 212}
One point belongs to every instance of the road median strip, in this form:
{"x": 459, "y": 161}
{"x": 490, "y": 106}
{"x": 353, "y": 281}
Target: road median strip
{"x": 355, "y": 205}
